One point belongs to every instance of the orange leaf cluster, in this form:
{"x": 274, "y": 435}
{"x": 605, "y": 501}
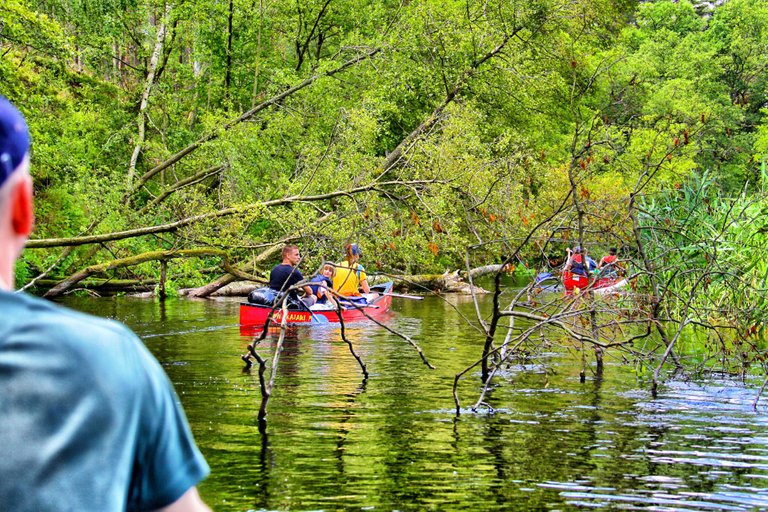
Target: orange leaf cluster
{"x": 492, "y": 217}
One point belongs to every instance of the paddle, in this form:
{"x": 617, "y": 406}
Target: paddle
{"x": 414, "y": 297}
{"x": 316, "y": 319}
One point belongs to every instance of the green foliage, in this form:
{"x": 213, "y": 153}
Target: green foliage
{"x": 526, "y": 95}
{"x": 710, "y": 253}
{"x": 22, "y": 272}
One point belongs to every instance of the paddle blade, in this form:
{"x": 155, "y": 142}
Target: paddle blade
{"x": 319, "y": 319}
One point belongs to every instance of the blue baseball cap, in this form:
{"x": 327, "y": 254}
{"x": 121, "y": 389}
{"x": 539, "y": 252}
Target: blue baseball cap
{"x": 14, "y": 139}
{"x": 355, "y": 250}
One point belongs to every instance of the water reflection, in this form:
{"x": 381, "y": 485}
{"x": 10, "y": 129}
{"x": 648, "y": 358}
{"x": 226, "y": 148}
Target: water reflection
{"x": 337, "y": 441}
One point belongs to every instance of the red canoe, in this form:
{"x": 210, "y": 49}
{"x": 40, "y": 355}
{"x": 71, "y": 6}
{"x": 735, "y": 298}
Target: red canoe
{"x": 256, "y": 314}
{"x": 602, "y": 285}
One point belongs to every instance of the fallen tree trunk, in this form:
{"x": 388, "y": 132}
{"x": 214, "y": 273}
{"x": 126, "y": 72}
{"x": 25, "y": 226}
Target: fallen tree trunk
{"x": 238, "y": 210}
{"x": 275, "y": 100}
{"x": 75, "y": 278}
{"x": 488, "y": 269}
{"x": 231, "y": 289}
{"x": 103, "y": 286}
{"x": 227, "y": 285}
{"x": 450, "y": 282}
{"x": 212, "y": 288}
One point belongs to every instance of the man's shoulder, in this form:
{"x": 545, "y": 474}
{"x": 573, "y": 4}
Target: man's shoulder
{"x": 25, "y": 313}
{"x": 80, "y": 347}
{"x": 282, "y": 268}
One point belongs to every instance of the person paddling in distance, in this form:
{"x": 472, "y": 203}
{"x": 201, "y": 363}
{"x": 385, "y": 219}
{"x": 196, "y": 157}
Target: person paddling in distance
{"x": 89, "y": 419}
{"x": 609, "y": 265}
{"x": 350, "y": 278}
{"x": 286, "y": 274}
{"x": 575, "y": 263}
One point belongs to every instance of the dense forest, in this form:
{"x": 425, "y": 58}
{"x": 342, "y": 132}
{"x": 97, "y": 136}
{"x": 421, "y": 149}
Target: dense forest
{"x": 194, "y": 139}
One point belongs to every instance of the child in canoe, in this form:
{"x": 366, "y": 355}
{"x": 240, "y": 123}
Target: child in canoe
{"x": 321, "y": 283}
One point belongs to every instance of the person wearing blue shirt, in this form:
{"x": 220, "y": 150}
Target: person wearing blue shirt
{"x": 89, "y": 421}
{"x": 576, "y": 263}
{"x": 321, "y": 283}
{"x": 286, "y": 274}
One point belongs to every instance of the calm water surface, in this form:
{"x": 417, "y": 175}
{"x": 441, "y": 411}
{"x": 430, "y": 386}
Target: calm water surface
{"x": 393, "y": 442}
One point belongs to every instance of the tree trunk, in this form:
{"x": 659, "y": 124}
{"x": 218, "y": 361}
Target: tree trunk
{"x": 227, "y": 279}
{"x": 75, "y": 278}
{"x": 213, "y": 135}
{"x": 228, "y": 73}
{"x": 145, "y": 96}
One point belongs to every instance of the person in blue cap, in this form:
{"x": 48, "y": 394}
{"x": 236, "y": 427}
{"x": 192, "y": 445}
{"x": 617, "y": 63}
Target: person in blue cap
{"x": 350, "y": 278}
{"x": 89, "y": 421}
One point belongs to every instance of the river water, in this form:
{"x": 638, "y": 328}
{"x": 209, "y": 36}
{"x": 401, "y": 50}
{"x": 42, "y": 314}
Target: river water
{"x": 335, "y": 441}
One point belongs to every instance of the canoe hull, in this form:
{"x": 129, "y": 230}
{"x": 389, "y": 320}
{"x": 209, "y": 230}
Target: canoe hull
{"x": 571, "y": 282}
{"x": 257, "y": 314}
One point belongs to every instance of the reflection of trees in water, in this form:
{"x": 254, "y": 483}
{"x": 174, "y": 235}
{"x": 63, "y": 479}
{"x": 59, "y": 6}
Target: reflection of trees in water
{"x": 577, "y": 439}
{"x": 333, "y": 351}
{"x": 286, "y": 332}
{"x": 344, "y": 428}
{"x": 263, "y": 483}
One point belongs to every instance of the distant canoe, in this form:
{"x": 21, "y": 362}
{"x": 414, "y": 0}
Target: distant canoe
{"x": 603, "y": 285}
{"x": 257, "y": 314}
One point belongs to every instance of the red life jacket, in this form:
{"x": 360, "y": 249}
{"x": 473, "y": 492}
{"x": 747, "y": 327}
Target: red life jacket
{"x": 577, "y": 265}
